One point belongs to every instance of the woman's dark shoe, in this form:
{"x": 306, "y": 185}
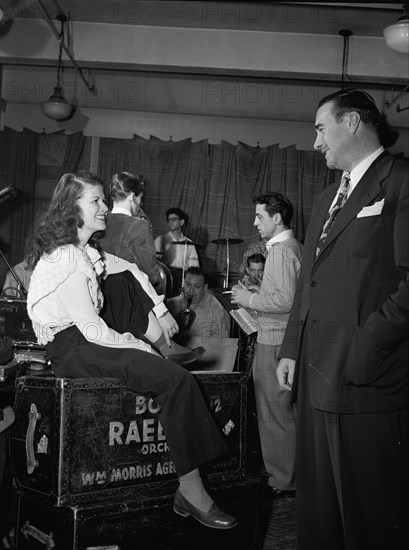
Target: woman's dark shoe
{"x": 186, "y": 358}
{"x": 214, "y": 518}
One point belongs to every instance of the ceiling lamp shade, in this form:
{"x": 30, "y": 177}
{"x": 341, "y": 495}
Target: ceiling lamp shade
{"x": 57, "y": 107}
{"x": 397, "y": 35}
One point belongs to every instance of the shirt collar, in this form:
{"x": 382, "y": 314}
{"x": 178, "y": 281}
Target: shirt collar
{"x": 120, "y": 210}
{"x": 360, "y": 169}
{"x": 96, "y": 259}
{"x": 283, "y": 236}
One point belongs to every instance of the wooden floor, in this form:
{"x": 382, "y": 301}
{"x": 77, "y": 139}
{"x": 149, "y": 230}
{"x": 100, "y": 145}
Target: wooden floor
{"x": 278, "y": 531}
{"x": 277, "y": 522}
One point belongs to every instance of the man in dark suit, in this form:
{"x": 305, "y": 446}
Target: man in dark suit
{"x": 345, "y": 351}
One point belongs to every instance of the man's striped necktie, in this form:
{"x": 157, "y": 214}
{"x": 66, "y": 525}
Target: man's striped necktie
{"x": 334, "y": 210}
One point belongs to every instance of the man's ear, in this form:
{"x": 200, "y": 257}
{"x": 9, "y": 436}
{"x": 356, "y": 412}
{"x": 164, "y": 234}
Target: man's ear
{"x": 353, "y": 120}
{"x": 278, "y": 220}
{"x": 206, "y": 286}
{"x": 182, "y": 222}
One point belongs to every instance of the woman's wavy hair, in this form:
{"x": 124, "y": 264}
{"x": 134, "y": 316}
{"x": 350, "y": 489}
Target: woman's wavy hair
{"x": 59, "y": 225}
{"x": 124, "y": 184}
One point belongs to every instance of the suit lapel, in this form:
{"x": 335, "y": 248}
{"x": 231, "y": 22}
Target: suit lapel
{"x": 367, "y": 189}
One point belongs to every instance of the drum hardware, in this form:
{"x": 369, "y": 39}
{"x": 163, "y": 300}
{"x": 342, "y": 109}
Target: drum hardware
{"x": 7, "y": 194}
{"x": 186, "y": 243}
{"x": 166, "y": 276}
{"x": 190, "y": 243}
{"x": 227, "y": 241}
{"x": 20, "y": 290}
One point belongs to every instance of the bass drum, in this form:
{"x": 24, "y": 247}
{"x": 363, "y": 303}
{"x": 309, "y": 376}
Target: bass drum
{"x": 166, "y": 277}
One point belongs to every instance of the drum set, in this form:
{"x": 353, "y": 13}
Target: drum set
{"x": 166, "y": 273}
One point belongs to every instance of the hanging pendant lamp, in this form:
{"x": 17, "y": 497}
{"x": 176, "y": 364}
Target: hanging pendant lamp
{"x": 57, "y": 107}
{"x": 397, "y": 35}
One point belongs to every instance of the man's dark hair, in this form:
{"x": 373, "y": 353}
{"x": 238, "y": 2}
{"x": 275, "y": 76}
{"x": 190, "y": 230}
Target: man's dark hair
{"x": 179, "y": 213}
{"x": 197, "y": 271}
{"x": 124, "y": 184}
{"x": 276, "y": 203}
{"x": 256, "y": 259}
{"x": 346, "y": 101}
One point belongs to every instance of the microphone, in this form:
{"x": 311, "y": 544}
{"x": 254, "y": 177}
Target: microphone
{"x": 8, "y": 193}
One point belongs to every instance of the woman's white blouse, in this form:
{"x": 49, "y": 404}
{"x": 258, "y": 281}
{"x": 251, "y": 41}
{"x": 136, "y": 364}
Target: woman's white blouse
{"x": 64, "y": 291}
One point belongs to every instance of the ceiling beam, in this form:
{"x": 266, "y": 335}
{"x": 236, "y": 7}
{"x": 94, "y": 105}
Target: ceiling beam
{"x": 208, "y": 51}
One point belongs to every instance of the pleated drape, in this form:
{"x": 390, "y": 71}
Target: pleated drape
{"x": 17, "y": 168}
{"x": 215, "y": 184}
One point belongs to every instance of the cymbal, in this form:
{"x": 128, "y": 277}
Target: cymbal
{"x": 227, "y": 241}
{"x": 188, "y": 243}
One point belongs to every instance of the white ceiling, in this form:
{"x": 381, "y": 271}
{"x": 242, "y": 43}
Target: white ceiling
{"x": 364, "y": 19}
{"x": 178, "y": 88}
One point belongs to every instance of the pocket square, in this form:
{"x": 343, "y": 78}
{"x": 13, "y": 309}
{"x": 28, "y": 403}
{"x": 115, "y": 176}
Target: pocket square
{"x": 373, "y": 210}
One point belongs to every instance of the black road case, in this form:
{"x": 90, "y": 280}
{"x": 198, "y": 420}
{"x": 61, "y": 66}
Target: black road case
{"x": 78, "y": 441}
{"x": 87, "y": 440}
{"x": 143, "y": 524}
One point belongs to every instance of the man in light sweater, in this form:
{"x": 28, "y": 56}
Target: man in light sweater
{"x": 272, "y": 306}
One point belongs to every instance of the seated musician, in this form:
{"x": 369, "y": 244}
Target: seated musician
{"x": 253, "y": 248}
{"x": 254, "y": 272}
{"x": 64, "y": 301}
{"x": 180, "y": 256}
{"x": 210, "y": 317}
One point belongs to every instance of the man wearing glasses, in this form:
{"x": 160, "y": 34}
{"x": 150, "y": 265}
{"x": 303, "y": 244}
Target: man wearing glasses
{"x": 174, "y": 249}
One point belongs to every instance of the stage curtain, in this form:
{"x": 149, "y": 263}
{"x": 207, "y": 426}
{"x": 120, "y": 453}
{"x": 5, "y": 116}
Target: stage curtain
{"x": 57, "y": 154}
{"x": 73, "y": 153}
{"x": 17, "y": 168}
{"x": 215, "y": 185}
